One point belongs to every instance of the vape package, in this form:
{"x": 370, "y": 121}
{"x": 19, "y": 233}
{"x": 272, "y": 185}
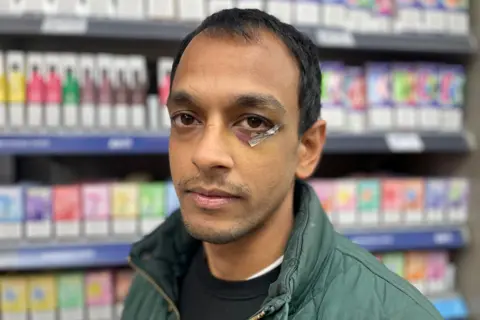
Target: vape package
{"x": 325, "y": 190}
{"x": 151, "y": 205}
{"x": 123, "y": 279}
{"x": 192, "y": 10}
{"x": 345, "y": 202}
{"x": 80, "y": 8}
{"x": 395, "y": 262}
{"x": 88, "y": 91}
{"x": 132, "y": 10}
{"x": 392, "y": 201}
{"x": 101, "y": 9}
{"x": 355, "y": 99}
{"x": 96, "y": 209}
{"x": 334, "y": 13}
{"x": 333, "y": 110}
{"x": 11, "y": 213}
{"x": 307, "y": 12}
{"x": 368, "y": 202}
{"x": 16, "y": 89}
{"x": 67, "y": 211}
{"x": 43, "y": 297}
{"x": 164, "y": 67}
{"x": 138, "y": 89}
{"x": 437, "y": 263}
{"x": 251, "y": 4}
{"x": 121, "y": 90}
{"x": 71, "y": 296}
{"x": 434, "y": 16}
{"x": 124, "y": 208}
{"x": 218, "y": 5}
{"x": 435, "y": 200}
{"x": 14, "y": 297}
{"x": 427, "y": 96}
{"x": 282, "y": 9}
{"x": 51, "y": 7}
{"x": 173, "y": 203}
{"x": 416, "y": 270}
{"x": 71, "y": 91}
{"x": 53, "y": 89}
{"x": 458, "y": 21}
{"x": 31, "y": 6}
{"x": 38, "y": 212}
{"x": 359, "y": 15}
{"x": 3, "y": 93}
{"x": 19, "y": 7}
{"x": 383, "y": 16}
{"x": 153, "y": 120}
{"x": 413, "y": 201}
{"x": 35, "y": 90}
{"x": 112, "y": 9}
{"x": 161, "y": 9}
{"x": 404, "y": 86}
{"x": 451, "y": 96}
{"x": 458, "y": 195}
{"x": 379, "y": 97}
{"x": 99, "y": 292}
{"x": 105, "y": 91}
{"x": 408, "y": 16}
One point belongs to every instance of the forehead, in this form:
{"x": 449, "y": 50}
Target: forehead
{"x": 219, "y": 67}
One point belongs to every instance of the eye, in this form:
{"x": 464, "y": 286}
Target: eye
{"x": 184, "y": 120}
{"x": 255, "y": 123}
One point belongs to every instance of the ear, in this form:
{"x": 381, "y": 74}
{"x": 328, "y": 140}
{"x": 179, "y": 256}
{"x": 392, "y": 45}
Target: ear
{"x": 310, "y": 149}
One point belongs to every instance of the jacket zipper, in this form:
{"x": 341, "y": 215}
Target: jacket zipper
{"x": 259, "y": 315}
{"x": 170, "y": 302}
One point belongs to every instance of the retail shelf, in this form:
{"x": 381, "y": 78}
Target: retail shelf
{"x": 383, "y": 240}
{"x": 158, "y": 143}
{"x": 452, "y": 307}
{"x": 176, "y": 30}
{"x": 64, "y": 256}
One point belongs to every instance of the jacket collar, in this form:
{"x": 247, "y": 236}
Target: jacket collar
{"x": 165, "y": 254}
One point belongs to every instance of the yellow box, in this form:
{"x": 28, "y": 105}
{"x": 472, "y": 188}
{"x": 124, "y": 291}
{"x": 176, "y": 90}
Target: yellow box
{"x": 125, "y": 203}
{"x": 42, "y": 292}
{"x": 14, "y": 294}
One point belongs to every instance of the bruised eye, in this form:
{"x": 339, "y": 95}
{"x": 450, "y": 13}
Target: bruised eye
{"x": 184, "y": 120}
{"x": 255, "y": 123}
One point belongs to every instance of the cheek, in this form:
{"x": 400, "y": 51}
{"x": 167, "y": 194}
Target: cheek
{"x": 179, "y": 158}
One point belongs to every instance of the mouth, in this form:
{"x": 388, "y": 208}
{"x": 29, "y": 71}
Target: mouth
{"x": 211, "y": 199}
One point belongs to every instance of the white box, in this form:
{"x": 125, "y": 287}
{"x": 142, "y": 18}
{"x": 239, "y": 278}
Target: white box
{"x": 4, "y": 7}
{"x": 251, "y": 4}
{"x": 131, "y": 9}
{"x": 16, "y": 89}
{"x": 334, "y": 14}
{"x": 219, "y": 5}
{"x": 51, "y": 7}
{"x": 164, "y": 9}
{"x": 120, "y": 80}
{"x": 358, "y": 17}
{"x": 138, "y": 89}
{"x": 18, "y": 7}
{"x": 53, "y": 90}
{"x": 307, "y": 12}
{"x": 100, "y": 9}
{"x": 33, "y": 6}
{"x": 282, "y": 9}
{"x": 35, "y": 89}
{"x": 192, "y": 10}
{"x": 88, "y": 91}
{"x": 409, "y": 17}
{"x": 434, "y": 17}
{"x": 458, "y": 17}
{"x": 71, "y": 91}
{"x": 68, "y": 7}
{"x": 105, "y": 91}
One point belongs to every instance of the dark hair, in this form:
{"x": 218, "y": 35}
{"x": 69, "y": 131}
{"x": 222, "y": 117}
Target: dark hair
{"x": 245, "y": 23}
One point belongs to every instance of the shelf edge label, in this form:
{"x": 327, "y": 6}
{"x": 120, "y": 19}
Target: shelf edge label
{"x": 404, "y": 142}
{"x": 63, "y": 25}
{"x": 335, "y": 38}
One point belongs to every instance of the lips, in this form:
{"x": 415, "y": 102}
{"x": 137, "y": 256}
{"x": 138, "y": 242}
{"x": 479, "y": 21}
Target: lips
{"x": 211, "y": 199}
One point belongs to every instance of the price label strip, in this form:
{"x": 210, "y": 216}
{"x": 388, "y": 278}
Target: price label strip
{"x": 404, "y": 142}
{"x": 335, "y": 38}
{"x": 62, "y": 25}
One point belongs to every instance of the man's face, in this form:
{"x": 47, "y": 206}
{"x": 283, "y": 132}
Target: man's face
{"x": 224, "y": 91}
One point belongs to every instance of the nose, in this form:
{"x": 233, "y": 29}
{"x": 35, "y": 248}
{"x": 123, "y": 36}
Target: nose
{"x": 212, "y": 152}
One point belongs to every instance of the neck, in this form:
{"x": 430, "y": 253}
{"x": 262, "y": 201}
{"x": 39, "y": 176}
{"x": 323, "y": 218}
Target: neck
{"x": 247, "y": 256}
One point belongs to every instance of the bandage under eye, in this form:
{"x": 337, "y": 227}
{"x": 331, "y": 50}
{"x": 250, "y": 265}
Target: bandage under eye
{"x": 264, "y": 135}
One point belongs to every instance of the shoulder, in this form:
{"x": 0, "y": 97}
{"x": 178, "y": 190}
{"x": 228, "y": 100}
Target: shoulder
{"x": 354, "y": 283}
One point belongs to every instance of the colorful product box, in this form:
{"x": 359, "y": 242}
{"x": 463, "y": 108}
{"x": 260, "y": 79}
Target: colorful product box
{"x": 282, "y": 9}
{"x": 451, "y": 96}
{"x": 67, "y": 211}
{"x": 404, "y": 85}
{"x": 409, "y": 16}
{"x": 379, "y": 96}
{"x": 152, "y": 198}
{"x": 345, "y": 202}
{"x": 38, "y": 223}
{"x": 53, "y": 91}
{"x": 436, "y": 199}
{"x": 11, "y": 213}
{"x": 325, "y": 191}
{"x": 139, "y": 89}
{"x": 88, "y": 91}
{"x": 434, "y": 16}
{"x": 35, "y": 90}
{"x": 307, "y": 12}
{"x": 3, "y": 93}
{"x": 123, "y": 279}
{"x": 333, "y": 98}
{"x": 173, "y": 202}
{"x": 16, "y": 85}
{"x": 125, "y": 208}
{"x": 14, "y": 298}
{"x": 105, "y": 91}
{"x": 42, "y": 301}
{"x": 437, "y": 272}
{"x": 355, "y": 98}
{"x": 96, "y": 209}
{"x": 427, "y": 96}
{"x": 458, "y": 195}
{"x": 71, "y": 90}
{"x": 164, "y": 67}
{"x": 99, "y": 295}
{"x": 121, "y": 91}
{"x": 416, "y": 269}
{"x": 413, "y": 195}
{"x": 392, "y": 201}
{"x": 383, "y": 16}
{"x": 368, "y": 201}
{"x": 71, "y": 296}
{"x": 395, "y": 262}
{"x": 457, "y": 11}
{"x": 359, "y": 13}
{"x": 334, "y": 13}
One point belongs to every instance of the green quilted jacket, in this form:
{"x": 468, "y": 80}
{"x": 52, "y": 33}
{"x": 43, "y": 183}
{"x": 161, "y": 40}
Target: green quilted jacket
{"x": 323, "y": 275}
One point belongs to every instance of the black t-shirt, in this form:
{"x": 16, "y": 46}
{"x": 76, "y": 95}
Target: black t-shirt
{"x": 204, "y": 297}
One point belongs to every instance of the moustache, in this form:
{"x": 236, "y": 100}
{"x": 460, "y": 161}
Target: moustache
{"x": 190, "y": 183}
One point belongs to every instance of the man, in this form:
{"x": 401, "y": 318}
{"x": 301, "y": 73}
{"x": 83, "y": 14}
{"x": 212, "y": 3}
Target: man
{"x": 251, "y": 240}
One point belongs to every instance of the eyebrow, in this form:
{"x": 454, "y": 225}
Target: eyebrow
{"x": 246, "y": 100}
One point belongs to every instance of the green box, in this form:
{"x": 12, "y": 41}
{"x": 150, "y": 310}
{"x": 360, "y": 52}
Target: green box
{"x": 152, "y": 200}
{"x": 71, "y": 291}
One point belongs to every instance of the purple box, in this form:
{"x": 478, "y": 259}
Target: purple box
{"x": 379, "y": 85}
